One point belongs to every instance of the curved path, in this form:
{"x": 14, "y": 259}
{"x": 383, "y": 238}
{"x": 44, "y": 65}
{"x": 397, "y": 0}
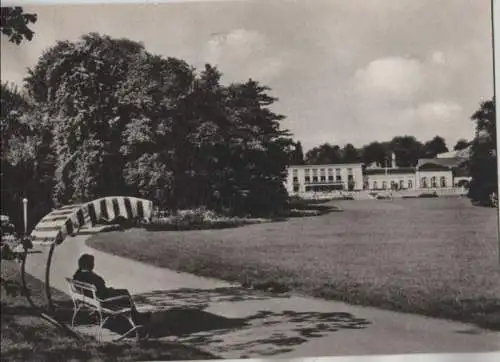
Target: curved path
{"x": 232, "y": 322}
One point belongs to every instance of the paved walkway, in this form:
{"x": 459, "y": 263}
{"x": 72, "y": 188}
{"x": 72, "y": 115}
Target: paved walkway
{"x": 233, "y": 322}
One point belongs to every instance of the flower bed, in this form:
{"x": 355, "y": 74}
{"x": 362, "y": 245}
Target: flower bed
{"x": 196, "y": 219}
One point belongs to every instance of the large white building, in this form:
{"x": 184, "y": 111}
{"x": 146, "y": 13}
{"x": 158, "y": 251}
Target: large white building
{"x": 434, "y": 173}
{"x": 324, "y": 178}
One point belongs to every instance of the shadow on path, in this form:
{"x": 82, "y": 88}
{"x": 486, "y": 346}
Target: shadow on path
{"x": 180, "y": 316}
{"x": 264, "y": 332}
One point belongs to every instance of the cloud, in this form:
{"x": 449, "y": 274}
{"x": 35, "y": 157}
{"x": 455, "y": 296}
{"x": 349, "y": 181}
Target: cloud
{"x": 438, "y": 58}
{"x": 241, "y": 54}
{"x": 392, "y": 78}
{"x": 445, "y": 118}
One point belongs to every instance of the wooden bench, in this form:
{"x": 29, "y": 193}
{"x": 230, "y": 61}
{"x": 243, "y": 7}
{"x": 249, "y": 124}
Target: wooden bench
{"x": 84, "y": 296}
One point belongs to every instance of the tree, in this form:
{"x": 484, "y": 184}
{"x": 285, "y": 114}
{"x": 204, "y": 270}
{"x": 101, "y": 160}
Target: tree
{"x": 126, "y": 121}
{"x": 26, "y": 158}
{"x": 324, "y": 154}
{"x": 483, "y": 160}
{"x": 461, "y": 145}
{"x": 350, "y": 154}
{"x": 14, "y": 24}
{"x": 434, "y": 147}
{"x": 76, "y": 84}
{"x": 407, "y": 150}
{"x": 374, "y": 152}
{"x": 297, "y": 155}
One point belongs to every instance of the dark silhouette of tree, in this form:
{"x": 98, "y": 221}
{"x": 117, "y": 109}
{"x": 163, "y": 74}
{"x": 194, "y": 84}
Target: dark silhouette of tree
{"x": 350, "y": 154}
{"x": 297, "y": 155}
{"x": 407, "y": 150}
{"x": 461, "y": 145}
{"x": 434, "y": 147}
{"x": 375, "y": 152}
{"x": 483, "y": 160}
{"x": 324, "y": 154}
{"x": 14, "y": 24}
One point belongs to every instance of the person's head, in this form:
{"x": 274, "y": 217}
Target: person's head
{"x": 86, "y": 262}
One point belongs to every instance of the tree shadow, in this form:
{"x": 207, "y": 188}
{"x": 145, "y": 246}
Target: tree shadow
{"x": 264, "y": 333}
{"x": 180, "y": 316}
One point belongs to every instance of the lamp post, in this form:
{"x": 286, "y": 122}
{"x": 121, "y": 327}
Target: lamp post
{"x": 25, "y": 213}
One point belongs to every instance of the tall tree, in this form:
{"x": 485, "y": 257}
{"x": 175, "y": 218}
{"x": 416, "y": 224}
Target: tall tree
{"x": 76, "y": 84}
{"x": 434, "y": 147}
{"x": 14, "y": 24}
{"x": 483, "y": 160}
{"x": 461, "y": 145}
{"x": 297, "y": 155}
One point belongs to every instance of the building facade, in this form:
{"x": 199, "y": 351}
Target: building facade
{"x": 436, "y": 173}
{"x": 324, "y": 178}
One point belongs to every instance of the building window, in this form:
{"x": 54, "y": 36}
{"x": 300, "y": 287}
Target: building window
{"x": 315, "y": 178}
{"x": 315, "y": 172}
{"x": 295, "y": 171}
{"x": 410, "y": 184}
{"x": 349, "y": 171}
{"x": 323, "y": 178}
{"x": 295, "y": 188}
{"x": 338, "y": 178}
{"x": 423, "y": 182}
{"x": 330, "y": 172}
{"x": 308, "y": 179}
{"x": 330, "y": 178}
{"x": 401, "y": 184}
{"x": 384, "y": 185}
{"x": 337, "y": 171}
{"x": 433, "y": 182}
{"x": 443, "y": 181}
{"x": 295, "y": 179}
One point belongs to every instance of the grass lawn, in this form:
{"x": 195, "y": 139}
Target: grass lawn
{"x": 437, "y": 257}
{"x": 27, "y": 337}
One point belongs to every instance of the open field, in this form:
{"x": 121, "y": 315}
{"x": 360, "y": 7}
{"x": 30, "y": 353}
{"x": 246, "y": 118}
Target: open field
{"x": 27, "y": 337}
{"x": 437, "y": 257}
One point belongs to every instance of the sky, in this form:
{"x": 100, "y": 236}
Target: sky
{"x": 344, "y": 71}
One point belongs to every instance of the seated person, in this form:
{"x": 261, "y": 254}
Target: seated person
{"x": 86, "y": 274}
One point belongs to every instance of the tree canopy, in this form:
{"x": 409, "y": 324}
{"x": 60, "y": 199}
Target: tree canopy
{"x": 461, "y": 145}
{"x": 14, "y": 24}
{"x": 110, "y": 118}
{"x": 483, "y": 160}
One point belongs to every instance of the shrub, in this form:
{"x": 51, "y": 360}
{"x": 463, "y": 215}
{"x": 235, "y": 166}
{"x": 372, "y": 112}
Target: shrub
{"x": 196, "y": 219}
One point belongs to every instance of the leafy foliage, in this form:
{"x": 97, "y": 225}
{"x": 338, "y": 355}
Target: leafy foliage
{"x": 434, "y": 147}
{"x": 461, "y": 144}
{"x": 14, "y": 24}
{"x": 125, "y": 121}
{"x": 483, "y": 161}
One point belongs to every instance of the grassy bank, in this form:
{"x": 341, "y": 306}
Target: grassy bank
{"x": 27, "y": 337}
{"x": 437, "y": 257}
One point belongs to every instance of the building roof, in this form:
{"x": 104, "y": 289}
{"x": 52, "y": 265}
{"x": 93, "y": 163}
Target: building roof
{"x": 333, "y": 165}
{"x": 462, "y": 154}
{"x": 390, "y": 171}
{"x": 440, "y": 162}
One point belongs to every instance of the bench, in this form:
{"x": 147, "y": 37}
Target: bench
{"x": 84, "y": 295}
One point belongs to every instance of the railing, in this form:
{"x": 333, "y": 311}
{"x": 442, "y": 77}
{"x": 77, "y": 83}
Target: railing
{"x": 370, "y": 194}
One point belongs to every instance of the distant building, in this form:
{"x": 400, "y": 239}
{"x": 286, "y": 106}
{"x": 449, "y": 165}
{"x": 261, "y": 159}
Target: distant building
{"x": 324, "y": 178}
{"x": 434, "y": 173}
